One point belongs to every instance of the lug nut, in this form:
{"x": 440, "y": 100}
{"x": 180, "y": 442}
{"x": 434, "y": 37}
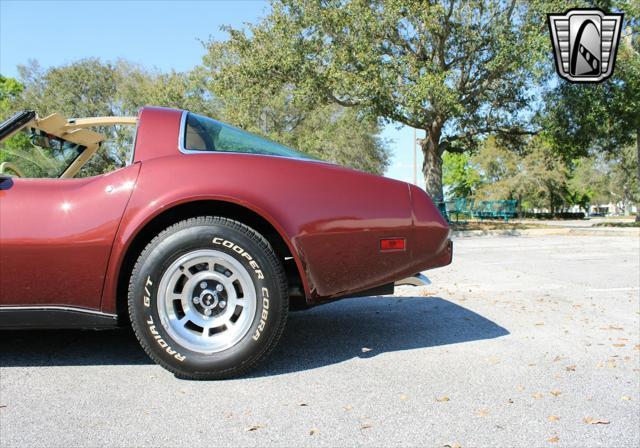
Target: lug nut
{"x": 207, "y": 312}
{"x": 219, "y": 288}
{"x": 223, "y": 304}
{"x": 203, "y": 285}
{"x": 196, "y": 300}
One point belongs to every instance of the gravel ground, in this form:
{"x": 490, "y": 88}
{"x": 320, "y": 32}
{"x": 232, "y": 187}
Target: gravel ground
{"x": 522, "y": 341}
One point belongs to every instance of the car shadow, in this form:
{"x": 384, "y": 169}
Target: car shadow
{"x": 317, "y": 337}
{"x": 367, "y": 327}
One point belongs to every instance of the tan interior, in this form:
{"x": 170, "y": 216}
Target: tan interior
{"x": 194, "y": 140}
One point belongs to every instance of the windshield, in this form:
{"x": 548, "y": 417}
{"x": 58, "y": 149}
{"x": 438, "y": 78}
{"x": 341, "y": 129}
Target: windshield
{"x": 34, "y": 153}
{"x": 205, "y": 134}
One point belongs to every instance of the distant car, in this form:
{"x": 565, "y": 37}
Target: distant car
{"x": 203, "y": 241}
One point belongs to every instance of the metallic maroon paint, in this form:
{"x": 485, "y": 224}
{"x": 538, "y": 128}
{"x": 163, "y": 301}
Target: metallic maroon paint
{"x": 331, "y": 218}
{"x": 56, "y": 236}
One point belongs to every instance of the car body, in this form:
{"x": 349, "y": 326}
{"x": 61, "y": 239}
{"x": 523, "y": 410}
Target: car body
{"x": 68, "y": 245}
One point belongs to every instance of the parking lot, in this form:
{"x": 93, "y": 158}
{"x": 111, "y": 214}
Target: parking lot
{"x": 522, "y": 341}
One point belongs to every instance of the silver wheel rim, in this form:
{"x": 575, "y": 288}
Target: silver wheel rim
{"x": 206, "y": 301}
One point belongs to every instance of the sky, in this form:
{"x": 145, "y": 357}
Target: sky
{"x": 156, "y": 34}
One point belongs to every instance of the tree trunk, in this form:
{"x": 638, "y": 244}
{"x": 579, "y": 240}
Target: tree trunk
{"x": 432, "y": 166}
{"x": 638, "y": 162}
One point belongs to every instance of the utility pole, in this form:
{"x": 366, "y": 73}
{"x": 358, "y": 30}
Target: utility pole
{"x": 415, "y": 158}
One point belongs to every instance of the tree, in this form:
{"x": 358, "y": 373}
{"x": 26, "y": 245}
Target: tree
{"x": 460, "y": 175}
{"x": 327, "y": 131}
{"x": 10, "y": 90}
{"x": 455, "y": 69}
{"x": 91, "y": 87}
{"x": 536, "y": 178}
{"x": 585, "y": 118}
{"x": 17, "y": 149}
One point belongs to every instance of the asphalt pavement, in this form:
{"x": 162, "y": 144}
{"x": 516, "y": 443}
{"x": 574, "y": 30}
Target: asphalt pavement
{"x": 522, "y": 341}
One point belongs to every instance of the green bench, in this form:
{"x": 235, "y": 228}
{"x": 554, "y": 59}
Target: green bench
{"x": 502, "y": 209}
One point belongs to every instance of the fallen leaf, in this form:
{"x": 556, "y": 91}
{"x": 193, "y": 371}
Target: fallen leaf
{"x": 3, "y": 405}
{"x": 366, "y": 426}
{"x": 510, "y": 401}
{"x": 571, "y": 368}
{"x": 537, "y": 395}
{"x": 314, "y": 431}
{"x": 618, "y": 345}
{"x": 366, "y": 349}
{"x": 624, "y": 398}
{"x": 539, "y": 324}
{"x": 532, "y": 364}
{"x": 557, "y": 358}
{"x": 403, "y": 397}
{"x": 519, "y": 388}
{"x": 254, "y": 428}
{"x": 556, "y": 392}
{"x": 303, "y": 404}
{"x": 348, "y": 407}
{"x": 228, "y": 415}
{"x": 442, "y": 399}
{"x": 595, "y": 421}
{"x": 554, "y": 439}
{"x": 455, "y": 445}
{"x": 636, "y": 347}
{"x": 553, "y": 418}
{"x": 482, "y": 412}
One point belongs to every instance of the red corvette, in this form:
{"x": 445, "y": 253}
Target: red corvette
{"x": 203, "y": 241}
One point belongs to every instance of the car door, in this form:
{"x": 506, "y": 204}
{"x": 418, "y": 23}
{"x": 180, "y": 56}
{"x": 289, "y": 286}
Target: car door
{"x": 56, "y": 233}
{"x": 56, "y": 237}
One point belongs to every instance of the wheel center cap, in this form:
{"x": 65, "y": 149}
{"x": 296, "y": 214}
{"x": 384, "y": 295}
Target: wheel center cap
{"x": 209, "y": 299}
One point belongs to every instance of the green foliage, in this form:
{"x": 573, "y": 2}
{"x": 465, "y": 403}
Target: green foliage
{"x": 459, "y": 175}
{"x": 537, "y": 178}
{"x": 599, "y": 123}
{"x": 10, "y": 89}
{"x": 17, "y": 149}
{"x": 327, "y": 131}
{"x": 455, "y": 69}
{"x": 91, "y": 87}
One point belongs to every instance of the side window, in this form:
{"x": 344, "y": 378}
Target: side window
{"x": 53, "y": 146}
{"x": 35, "y": 154}
{"x": 115, "y": 152}
{"x": 206, "y": 134}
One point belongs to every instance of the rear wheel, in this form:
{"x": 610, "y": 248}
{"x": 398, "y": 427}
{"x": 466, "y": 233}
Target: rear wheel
{"x": 208, "y": 298}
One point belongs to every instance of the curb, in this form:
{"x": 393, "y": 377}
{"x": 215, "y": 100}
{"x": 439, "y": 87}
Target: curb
{"x": 580, "y": 231}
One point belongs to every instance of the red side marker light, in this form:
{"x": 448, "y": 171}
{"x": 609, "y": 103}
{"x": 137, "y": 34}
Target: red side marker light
{"x": 392, "y": 244}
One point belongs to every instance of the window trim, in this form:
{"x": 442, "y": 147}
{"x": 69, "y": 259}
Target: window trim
{"x": 181, "y": 136}
{"x": 182, "y": 149}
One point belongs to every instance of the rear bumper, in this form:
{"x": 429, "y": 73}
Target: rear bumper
{"x": 414, "y": 280}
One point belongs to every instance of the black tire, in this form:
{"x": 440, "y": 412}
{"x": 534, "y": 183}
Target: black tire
{"x": 267, "y": 278}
